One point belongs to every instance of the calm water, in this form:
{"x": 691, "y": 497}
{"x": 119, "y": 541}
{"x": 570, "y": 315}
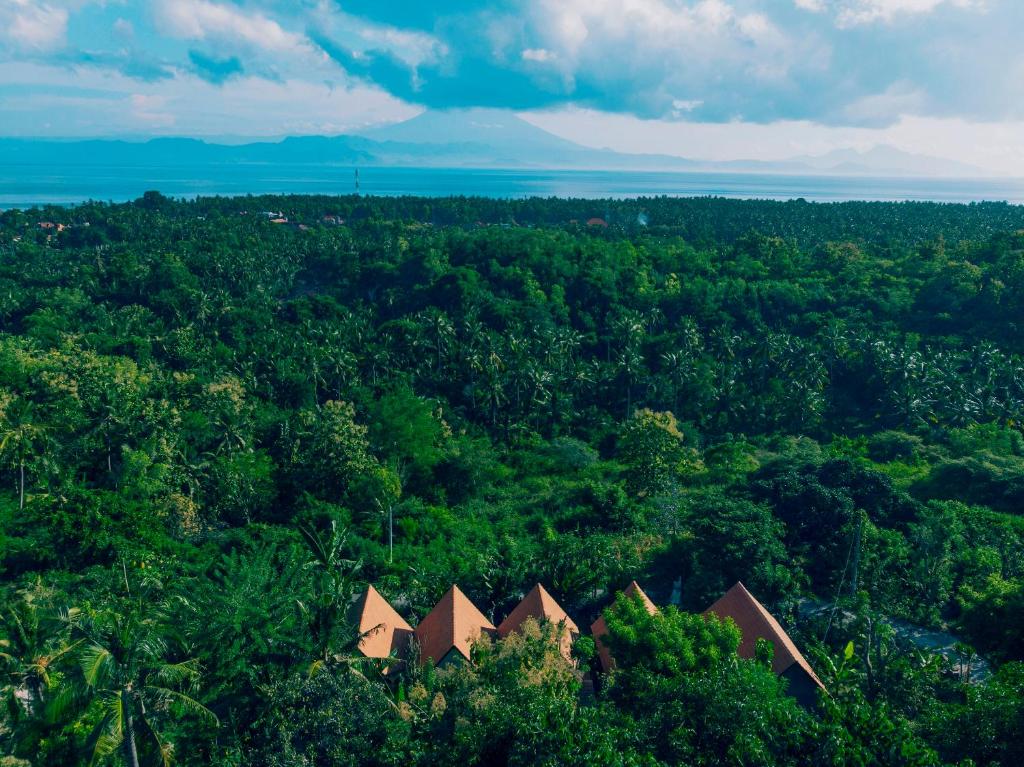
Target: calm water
{"x": 25, "y": 185}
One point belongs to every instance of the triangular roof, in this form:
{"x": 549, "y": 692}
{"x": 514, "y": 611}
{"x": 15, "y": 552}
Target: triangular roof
{"x": 599, "y": 628}
{"x": 541, "y": 606}
{"x": 386, "y": 632}
{"x": 755, "y": 622}
{"x": 454, "y": 623}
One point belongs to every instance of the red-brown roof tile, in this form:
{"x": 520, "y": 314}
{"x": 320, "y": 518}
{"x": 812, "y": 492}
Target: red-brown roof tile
{"x": 454, "y": 623}
{"x": 541, "y": 606}
{"x": 755, "y": 622}
{"x": 383, "y": 631}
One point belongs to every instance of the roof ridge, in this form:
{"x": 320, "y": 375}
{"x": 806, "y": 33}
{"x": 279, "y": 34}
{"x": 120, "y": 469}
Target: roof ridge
{"x": 547, "y": 602}
{"x": 784, "y": 646}
{"x": 456, "y": 592}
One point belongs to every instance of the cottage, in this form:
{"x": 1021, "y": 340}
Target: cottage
{"x": 599, "y": 628}
{"x": 383, "y": 633}
{"x": 541, "y": 606}
{"x": 755, "y": 622}
{"x": 446, "y": 635}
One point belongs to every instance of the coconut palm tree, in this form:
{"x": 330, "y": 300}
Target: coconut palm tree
{"x": 130, "y": 684}
{"x": 20, "y": 438}
{"x": 33, "y": 641}
{"x": 333, "y": 588}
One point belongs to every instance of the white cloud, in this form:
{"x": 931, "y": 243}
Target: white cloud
{"x": 357, "y": 36}
{"x": 900, "y": 98}
{"x": 33, "y": 26}
{"x": 855, "y": 12}
{"x": 662, "y": 47}
{"x": 994, "y": 146}
{"x": 539, "y": 55}
{"x": 185, "y": 104}
{"x": 814, "y": 6}
{"x": 412, "y": 48}
{"x": 204, "y": 20}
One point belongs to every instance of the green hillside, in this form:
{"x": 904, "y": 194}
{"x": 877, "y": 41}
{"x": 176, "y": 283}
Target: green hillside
{"x": 216, "y": 430}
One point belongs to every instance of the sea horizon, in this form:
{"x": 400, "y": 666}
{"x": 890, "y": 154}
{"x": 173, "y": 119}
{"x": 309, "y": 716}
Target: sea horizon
{"x": 27, "y": 186}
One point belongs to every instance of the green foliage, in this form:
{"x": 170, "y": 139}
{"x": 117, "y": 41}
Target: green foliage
{"x": 651, "y": 445}
{"x": 993, "y": 616}
{"x": 328, "y": 718}
{"x": 823, "y": 401}
{"x": 985, "y": 723}
{"x": 730, "y": 539}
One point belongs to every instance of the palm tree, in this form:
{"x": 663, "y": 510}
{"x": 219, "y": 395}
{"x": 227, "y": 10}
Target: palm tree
{"x": 130, "y": 683}
{"x": 35, "y": 653}
{"x": 20, "y": 437}
{"x": 31, "y": 646}
{"x": 333, "y": 587}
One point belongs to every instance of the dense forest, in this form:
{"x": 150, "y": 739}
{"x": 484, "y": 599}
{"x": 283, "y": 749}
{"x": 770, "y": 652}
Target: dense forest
{"x": 221, "y": 419}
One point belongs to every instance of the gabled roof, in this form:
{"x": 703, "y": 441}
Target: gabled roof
{"x": 454, "y": 623}
{"x": 387, "y": 632}
{"x": 755, "y": 622}
{"x": 599, "y": 628}
{"x": 541, "y": 606}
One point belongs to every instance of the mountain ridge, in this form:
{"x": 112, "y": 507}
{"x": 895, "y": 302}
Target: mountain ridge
{"x": 471, "y": 138}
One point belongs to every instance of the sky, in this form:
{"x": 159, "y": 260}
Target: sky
{"x": 707, "y": 79}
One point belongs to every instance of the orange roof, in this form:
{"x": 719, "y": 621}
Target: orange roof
{"x": 540, "y": 605}
{"x": 454, "y": 623}
{"x": 599, "y": 628}
{"x": 383, "y": 631}
{"x": 596, "y": 222}
{"x": 755, "y": 622}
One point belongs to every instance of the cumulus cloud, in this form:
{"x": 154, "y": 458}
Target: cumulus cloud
{"x": 204, "y": 20}
{"x": 642, "y": 56}
{"x": 838, "y": 62}
{"x": 833, "y": 61}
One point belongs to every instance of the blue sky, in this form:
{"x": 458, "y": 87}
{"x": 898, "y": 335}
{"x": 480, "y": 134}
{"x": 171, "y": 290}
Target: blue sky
{"x": 702, "y": 78}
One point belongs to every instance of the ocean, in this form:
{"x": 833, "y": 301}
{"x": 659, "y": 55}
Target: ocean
{"x": 28, "y": 185}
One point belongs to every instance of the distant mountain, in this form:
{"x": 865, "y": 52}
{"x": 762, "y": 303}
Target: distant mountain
{"x": 886, "y": 159}
{"x": 494, "y": 138}
{"x": 467, "y": 138}
{"x": 496, "y": 129}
